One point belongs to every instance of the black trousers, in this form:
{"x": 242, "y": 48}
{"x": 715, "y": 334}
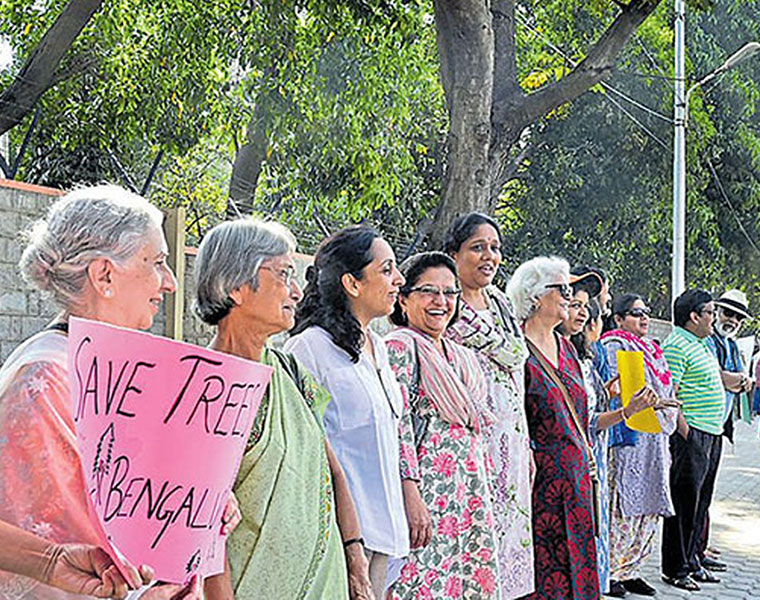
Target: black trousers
{"x": 692, "y": 482}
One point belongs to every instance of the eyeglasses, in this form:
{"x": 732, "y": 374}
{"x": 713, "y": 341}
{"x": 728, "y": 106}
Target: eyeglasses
{"x": 433, "y": 292}
{"x": 639, "y": 312}
{"x": 287, "y": 275}
{"x": 564, "y": 289}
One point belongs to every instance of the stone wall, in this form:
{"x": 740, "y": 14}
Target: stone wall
{"x": 23, "y": 310}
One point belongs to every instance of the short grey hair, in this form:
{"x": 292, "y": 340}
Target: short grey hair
{"x": 528, "y": 282}
{"x": 229, "y": 257}
{"x": 103, "y": 221}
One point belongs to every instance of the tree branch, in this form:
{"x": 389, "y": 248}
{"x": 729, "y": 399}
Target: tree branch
{"x": 78, "y": 66}
{"x": 126, "y": 179}
{"x": 594, "y": 68}
{"x": 37, "y": 74}
{"x": 505, "y": 83}
{"x": 152, "y": 172}
{"x": 25, "y": 144}
{"x": 248, "y": 163}
{"x": 5, "y": 168}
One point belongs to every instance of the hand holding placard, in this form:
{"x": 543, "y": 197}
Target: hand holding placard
{"x": 631, "y": 369}
{"x": 161, "y": 426}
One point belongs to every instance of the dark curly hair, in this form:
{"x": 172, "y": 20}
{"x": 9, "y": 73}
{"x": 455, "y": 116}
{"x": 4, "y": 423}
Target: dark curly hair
{"x": 463, "y": 228}
{"x": 325, "y": 302}
{"x": 412, "y": 269}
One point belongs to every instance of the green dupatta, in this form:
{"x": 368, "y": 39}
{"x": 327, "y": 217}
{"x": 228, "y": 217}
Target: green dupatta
{"x": 288, "y": 544}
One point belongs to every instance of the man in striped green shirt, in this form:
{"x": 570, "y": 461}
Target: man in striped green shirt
{"x": 695, "y": 446}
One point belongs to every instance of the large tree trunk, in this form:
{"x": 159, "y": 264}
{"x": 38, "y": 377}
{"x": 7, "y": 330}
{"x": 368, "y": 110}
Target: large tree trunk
{"x": 483, "y": 32}
{"x": 466, "y": 49}
{"x": 39, "y": 72}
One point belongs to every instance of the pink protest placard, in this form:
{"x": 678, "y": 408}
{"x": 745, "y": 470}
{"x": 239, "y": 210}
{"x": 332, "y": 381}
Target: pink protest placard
{"x": 162, "y": 426}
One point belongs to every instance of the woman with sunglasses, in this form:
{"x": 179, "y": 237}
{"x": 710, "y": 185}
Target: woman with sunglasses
{"x": 443, "y": 464}
{"x": 354, "y": 280}
{"x": 488, "y": 327}
{"x": 639, "y": 462}
{"x": 558, "y": 422}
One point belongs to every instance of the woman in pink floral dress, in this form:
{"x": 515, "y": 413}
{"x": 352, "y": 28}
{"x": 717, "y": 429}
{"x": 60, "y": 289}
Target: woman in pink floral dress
{"x": 443, "y": 458}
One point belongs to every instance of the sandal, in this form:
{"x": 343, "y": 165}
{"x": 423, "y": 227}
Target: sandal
{"x": 682, "y": 583}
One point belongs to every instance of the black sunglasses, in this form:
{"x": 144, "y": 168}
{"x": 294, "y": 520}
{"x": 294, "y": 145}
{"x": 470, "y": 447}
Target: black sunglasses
{"x": 638, "y": 312}
{"x": 732, "y": 314}
{"x": 564, "y": 289}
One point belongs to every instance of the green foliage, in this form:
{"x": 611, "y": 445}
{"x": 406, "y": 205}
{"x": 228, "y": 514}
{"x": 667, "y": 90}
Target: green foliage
{"x": 602, "y": 185}
{"x": 355, "y": 124}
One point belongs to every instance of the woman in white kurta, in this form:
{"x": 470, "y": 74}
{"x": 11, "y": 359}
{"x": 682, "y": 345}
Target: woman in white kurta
{"x": 355, "y": 280}
{"x": 487, "y": 326}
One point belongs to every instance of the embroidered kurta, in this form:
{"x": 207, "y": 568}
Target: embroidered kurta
{"x": 288, "y": 544}
{"x": 498, "y": 342}
{"x": 450, "y": 465}
{"x": 563, "y": 525}
{"x": 42, "y": 488}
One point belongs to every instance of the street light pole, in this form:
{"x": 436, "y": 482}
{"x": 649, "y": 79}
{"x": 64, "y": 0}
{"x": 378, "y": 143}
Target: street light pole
{"x": 679, "y": 155}
{"x": 681, "y": 121}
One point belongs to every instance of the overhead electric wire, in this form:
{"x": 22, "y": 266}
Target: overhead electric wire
{"x": 731, "y": 208}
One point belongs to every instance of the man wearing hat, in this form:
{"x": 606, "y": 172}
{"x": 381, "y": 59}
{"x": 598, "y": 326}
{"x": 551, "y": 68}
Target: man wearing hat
{"x": 731, "y": 310}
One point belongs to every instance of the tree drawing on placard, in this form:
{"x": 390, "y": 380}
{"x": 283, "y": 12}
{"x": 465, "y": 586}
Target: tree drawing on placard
{"x": 102, "y": 464}
{"x": 194, "y": 562}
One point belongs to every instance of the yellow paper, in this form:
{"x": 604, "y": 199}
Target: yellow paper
{"x": 631, "y": 370}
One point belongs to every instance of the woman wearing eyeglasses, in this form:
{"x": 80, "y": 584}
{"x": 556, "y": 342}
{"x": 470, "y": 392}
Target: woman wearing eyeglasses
{"x": 488, "y": 327}
{"x": 639, "y": 462}
{"x": 558, "y": 422}
{"x": 295, "y": 539}
{"x": 443, "y": 456}
{"x": 354, "y": 280}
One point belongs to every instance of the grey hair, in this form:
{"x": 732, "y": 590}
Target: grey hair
{"x": 528, "y": 282}
{"x": 103, "y": 221}
{"x": 229, "y": 257}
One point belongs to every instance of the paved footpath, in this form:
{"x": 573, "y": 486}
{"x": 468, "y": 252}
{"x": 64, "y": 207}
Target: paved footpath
{"x": 735, "y": 529}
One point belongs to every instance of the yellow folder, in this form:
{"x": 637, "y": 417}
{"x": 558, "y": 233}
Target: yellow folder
{"x": 631, "y": 370}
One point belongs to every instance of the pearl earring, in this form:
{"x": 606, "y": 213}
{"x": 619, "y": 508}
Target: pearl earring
{"x": 107, "y": 293}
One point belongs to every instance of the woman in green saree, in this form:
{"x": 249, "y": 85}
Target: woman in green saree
{"x": 300, "y": 536}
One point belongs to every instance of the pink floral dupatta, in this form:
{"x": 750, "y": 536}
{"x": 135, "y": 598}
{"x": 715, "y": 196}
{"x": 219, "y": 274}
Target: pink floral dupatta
{"x": 42, "y": 489}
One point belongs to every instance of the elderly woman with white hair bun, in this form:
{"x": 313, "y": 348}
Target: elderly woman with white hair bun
{"x": 557, "y": 411}
{"x": 101, "y": 255}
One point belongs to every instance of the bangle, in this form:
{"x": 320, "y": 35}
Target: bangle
{"x": 622, "y": 413}
{"x": 348, "y": 543}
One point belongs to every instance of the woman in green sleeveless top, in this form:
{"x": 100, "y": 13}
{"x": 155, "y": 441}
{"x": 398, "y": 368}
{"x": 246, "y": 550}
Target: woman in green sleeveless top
{"x": 300, "y": 536}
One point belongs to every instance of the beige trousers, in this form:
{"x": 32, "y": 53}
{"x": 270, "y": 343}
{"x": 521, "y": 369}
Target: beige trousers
{"x": 378, "y": 572}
